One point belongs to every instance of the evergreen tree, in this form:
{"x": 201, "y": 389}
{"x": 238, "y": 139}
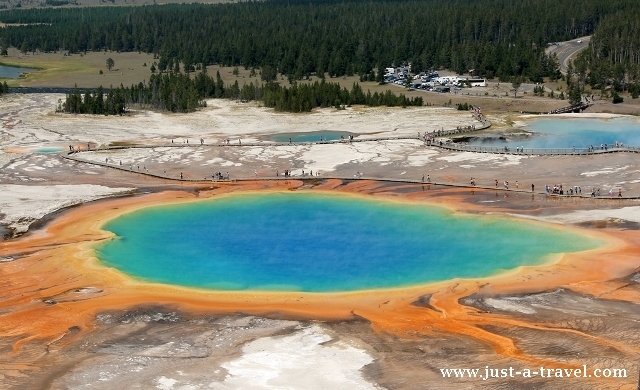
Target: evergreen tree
{"x": 516, "y": 83}
{"x": 575, "y": 95}
{"x": 497, "y": 38}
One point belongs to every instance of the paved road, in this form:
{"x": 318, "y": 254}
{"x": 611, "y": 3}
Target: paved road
{"x": 566, "y": 50}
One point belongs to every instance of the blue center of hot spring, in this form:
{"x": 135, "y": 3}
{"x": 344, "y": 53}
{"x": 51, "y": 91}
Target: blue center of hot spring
{"x": 319, "y": 243}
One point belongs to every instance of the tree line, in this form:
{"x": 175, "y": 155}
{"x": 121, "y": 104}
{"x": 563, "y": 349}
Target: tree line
{"x": 612, "y": 61}
{"x": 305, "y": 97}
{"x": 174, "y": 92}
{"x": 177, "y": 92}
{"x": 496, "y": 38}
{"x": 91, "y": 102}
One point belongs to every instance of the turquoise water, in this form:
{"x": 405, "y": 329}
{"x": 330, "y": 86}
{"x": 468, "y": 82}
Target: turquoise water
{"x": 318, "y": 242}
{"x": 581, "y": 133}
{"x": 10, "y": 72}
{"x": 48, "y": 150}
{"x": 313, "y": 136}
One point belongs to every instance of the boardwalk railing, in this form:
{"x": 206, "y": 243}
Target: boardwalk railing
{"x": 573, "y": 108}
{"x": 235, "y": 143}
{"x": 535, "y": 151}
{"x": 306, "y": 177}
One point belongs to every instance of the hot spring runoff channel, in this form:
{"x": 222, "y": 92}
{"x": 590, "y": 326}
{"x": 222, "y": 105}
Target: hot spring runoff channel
{"x": 319, "y": 243}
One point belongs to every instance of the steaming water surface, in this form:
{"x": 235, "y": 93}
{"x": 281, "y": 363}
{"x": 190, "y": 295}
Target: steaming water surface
{"x": 569, "y": 133}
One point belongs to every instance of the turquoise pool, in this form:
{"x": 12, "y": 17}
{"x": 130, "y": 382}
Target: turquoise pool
{"x": 48, "y": 150}
{"x": 318, "y": 243}
{"x": 313, "y": 136}
{"x": 569, "y": 132}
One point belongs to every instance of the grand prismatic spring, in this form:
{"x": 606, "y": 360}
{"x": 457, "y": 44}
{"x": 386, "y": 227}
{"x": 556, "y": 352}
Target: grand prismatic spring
{"x": 321, "y": 243}
{"x": 183, "y": 284}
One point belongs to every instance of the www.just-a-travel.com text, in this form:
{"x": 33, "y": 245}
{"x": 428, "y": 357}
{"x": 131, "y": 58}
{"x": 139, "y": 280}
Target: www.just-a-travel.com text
{"x": 541, "y": 372}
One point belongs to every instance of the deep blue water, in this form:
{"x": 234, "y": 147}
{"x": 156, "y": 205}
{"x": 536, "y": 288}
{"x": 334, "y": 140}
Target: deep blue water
{"x": 10, "y": 72}
{"x": 313, "y": 136}
{"x": 318, "y": 242}
{"x": 581, "y": 133}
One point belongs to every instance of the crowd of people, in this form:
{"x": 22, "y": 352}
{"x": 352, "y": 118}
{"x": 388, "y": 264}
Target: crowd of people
{"x": 477, "y": 114}
{"x": 221, "y": 176}
{"x": 559, "y": 190}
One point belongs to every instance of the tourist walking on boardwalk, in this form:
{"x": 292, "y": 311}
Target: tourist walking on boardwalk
{"x": 532, "y": 187}
{"x": 496, "y": 183}
{"x": 423, "y": 177}
{"x": 619, "y": 192}
{"x": 428, "y": 179}
{"x": 181, "y": 176}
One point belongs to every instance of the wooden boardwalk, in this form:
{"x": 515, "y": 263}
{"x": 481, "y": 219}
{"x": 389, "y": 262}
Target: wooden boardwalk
{"x": 75, "y": 156}
{"x": 448, "y": 145}
{"x": 572, "y": 108}
{"x": 429, "y": 184}
{"x": 539, "y": 151}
